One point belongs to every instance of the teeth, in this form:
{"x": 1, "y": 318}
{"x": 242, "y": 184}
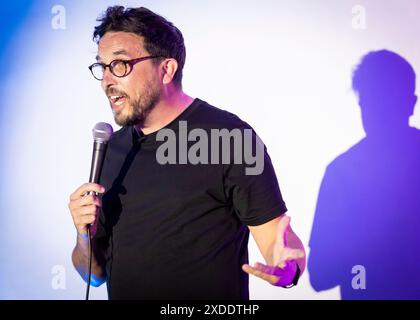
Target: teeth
{"x": 116, "y": 98}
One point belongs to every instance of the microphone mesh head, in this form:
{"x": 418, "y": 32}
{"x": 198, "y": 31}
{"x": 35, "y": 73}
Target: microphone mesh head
{"x": 102, "y": 132}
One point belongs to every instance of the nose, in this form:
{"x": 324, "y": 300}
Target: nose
{"x": 108, "y": 80}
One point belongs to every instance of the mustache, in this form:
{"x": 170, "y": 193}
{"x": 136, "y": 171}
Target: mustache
{"x": 115, "y": 92}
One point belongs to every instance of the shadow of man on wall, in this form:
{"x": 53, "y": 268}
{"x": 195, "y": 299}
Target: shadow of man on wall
{"x": 366, "y": 232}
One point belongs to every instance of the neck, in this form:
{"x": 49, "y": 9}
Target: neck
{"x": 171, "y": 104}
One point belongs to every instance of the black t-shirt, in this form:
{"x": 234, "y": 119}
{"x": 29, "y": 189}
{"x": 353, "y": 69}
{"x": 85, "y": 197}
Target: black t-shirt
{"x": 179, "y": 231}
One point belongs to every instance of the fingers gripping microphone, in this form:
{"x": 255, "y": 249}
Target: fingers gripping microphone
{"x": 102, "y": 132}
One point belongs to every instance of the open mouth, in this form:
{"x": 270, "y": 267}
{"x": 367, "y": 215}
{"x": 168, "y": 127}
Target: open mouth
{"x": 117, "y": 100}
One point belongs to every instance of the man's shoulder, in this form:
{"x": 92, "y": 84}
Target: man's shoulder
{"x": 209, "y": 116}
{"x": 120, "y": 135}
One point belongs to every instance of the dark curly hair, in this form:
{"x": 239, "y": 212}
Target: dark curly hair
{"x": 161, "y": 37}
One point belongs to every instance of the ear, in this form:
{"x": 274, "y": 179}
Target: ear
{"x": 170, "y": 66}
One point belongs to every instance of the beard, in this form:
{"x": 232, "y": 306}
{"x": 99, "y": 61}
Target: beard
{"x": 136, "y": 111}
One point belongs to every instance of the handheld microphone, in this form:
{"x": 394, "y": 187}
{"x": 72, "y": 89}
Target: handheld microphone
{"x": 102, "y": 132}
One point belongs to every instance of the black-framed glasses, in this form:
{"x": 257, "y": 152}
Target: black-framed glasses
{"x": 119, "y": 68}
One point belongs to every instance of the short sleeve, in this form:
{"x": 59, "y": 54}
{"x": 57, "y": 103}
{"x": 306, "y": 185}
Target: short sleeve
{"x": 256, "y": 198}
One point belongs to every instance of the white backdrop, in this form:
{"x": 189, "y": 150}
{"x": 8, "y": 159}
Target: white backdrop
{"x": 282, "y": 66}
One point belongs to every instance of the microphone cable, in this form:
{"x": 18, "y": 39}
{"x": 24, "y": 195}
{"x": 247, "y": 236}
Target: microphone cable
{"x": 89, "y": 263}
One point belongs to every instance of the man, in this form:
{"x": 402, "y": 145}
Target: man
{"x": 173, "y": 231}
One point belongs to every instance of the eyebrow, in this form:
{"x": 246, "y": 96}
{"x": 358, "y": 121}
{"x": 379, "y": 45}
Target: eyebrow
{"x": 115, "y": 53}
